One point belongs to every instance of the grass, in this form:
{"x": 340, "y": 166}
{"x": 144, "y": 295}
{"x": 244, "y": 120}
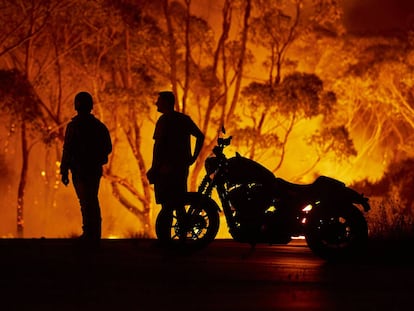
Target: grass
{"x": 388, "y": 221}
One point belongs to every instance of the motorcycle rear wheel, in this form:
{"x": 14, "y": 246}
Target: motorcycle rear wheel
{"x": 203, "y": 223}
{"x": 337, "y": 233}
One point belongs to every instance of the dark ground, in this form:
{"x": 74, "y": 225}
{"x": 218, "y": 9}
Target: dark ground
{"x": 54, "y": 274}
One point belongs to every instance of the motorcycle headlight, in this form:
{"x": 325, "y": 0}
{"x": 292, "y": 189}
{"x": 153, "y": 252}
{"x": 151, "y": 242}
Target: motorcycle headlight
{"x": 211, "y": 165}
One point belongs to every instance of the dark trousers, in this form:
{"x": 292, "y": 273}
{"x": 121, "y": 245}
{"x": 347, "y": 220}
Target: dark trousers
{"x": 170, "y": 191}
{"x": 87, "y": 186}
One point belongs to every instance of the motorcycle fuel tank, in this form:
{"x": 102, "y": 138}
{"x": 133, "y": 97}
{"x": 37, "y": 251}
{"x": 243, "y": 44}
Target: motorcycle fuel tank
{"x": 242, "y": 170}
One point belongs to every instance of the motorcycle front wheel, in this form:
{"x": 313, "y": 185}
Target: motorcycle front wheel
{"x": 202, "y": 223}
{"x": 337, "y": 233}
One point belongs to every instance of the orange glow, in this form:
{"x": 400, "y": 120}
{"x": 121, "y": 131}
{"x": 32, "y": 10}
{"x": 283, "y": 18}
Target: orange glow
{"x": 370, "y": 76}
{"x": 112, "y": 237}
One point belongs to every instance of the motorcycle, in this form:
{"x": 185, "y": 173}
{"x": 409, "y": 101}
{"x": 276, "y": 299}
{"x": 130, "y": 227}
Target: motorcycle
{"x": 262, "y": 208}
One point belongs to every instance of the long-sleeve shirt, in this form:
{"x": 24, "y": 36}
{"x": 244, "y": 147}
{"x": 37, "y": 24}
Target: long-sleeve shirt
{"x": 87, "y": 144}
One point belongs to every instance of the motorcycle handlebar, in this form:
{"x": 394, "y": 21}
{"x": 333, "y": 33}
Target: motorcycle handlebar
{"x": 222, "y": 142}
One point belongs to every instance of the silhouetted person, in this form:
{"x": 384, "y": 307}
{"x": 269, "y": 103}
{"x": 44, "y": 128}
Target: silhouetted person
{"x": 172, "y": 155}
{"x": 85, "y": 150}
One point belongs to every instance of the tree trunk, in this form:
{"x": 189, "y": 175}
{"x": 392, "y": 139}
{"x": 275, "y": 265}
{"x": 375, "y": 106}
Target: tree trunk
{"x": 22, "y": 183}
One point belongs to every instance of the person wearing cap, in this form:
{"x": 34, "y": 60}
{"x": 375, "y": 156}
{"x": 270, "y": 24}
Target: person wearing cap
{"x": 86, "y": 147}
{"x": 172, "y": 154}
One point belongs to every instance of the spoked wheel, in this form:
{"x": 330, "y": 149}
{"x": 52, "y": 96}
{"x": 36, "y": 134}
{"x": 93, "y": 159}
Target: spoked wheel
{"x": 201, "y": 226}
{"x": 338, "y": 233}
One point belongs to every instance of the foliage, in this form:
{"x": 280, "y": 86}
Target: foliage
{"x": 385, "y": 222}
{"x": 397, "y": 182}
{"x": 281, "y": 24}
{"x": 19, "y": 101}
{"x": 17, "y": 96}
{"x": 392, "y": 201}
{"x": 299, "y": 94}
{"x": 333, "y": 139}
{"x": 274, "y": 111}
{"x": 359, "y": 90}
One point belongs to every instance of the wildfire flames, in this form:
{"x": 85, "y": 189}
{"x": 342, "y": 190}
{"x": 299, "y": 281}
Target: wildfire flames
{"x": 300, "y": 90}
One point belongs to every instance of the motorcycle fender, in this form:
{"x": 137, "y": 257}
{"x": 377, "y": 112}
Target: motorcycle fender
{"x": 343, "y": 197}
{"x": 319, "y": 208}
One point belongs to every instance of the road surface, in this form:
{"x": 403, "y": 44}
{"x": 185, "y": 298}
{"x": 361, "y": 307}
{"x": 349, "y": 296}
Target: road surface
{"x": 53, "y": 274}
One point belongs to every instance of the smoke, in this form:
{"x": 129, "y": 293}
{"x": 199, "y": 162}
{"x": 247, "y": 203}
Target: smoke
{"x": 378, "y": 16}
{"x": 5, "y": 173}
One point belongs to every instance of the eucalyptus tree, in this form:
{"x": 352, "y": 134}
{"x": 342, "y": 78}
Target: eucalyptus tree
{"x": 278, "y": 25}
{"x": 207, "y": 67}
{"x": 126, "y": 51}
{"x": 19, "y": 101}
{"x": 24, "y": 56}
{"x": 114, "y": 54}
{"x": 376, "y": 94}
{"x": 274, "y": 107}
{"x": 376, "y": 103}
{"x": 58, "y": 47}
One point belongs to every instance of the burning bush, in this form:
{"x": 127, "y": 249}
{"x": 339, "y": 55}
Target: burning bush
{"x": 392, "y": 201}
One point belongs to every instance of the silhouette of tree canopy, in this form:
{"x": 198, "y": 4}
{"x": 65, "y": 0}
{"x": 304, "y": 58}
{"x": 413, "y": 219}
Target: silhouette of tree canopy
{"x": 17, "y": 97}
{"x": 274, "y": 111}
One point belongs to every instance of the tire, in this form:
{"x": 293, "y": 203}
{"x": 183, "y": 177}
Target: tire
{"x": 203, "y": 218}
{"x": 337, "y": 233}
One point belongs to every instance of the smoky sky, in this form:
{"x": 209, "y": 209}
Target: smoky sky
{"x": 368, "y": 17}
{"x": 379, "y": 16}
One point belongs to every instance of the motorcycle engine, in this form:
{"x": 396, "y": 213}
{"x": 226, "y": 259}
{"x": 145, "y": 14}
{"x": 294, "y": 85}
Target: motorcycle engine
{"x": 211, "y": 164}
{"x": 256, "y": 217}
{"x": 249, "y": 200}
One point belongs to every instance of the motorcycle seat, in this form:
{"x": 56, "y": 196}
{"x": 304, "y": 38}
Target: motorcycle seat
{"x": 288, "y": 187}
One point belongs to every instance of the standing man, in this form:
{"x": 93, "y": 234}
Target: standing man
{"x": 85, "y": 150}
{"x": 172, "y": 155}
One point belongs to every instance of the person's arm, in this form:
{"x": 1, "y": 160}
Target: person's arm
{"x": 106, "y": 144}
{"x": 66, "y": 155}
{"x": 154, "y": 170}
{"x": 198, "y": 144}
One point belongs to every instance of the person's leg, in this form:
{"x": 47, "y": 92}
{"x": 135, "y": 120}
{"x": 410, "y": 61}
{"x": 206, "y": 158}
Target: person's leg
{"x": 179, "y": 203}
{"x": 170, "y": 192}
{"x": 87, "y": 187}
{"x": 174, "y": 207}
{"x": 94, "y": 210}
